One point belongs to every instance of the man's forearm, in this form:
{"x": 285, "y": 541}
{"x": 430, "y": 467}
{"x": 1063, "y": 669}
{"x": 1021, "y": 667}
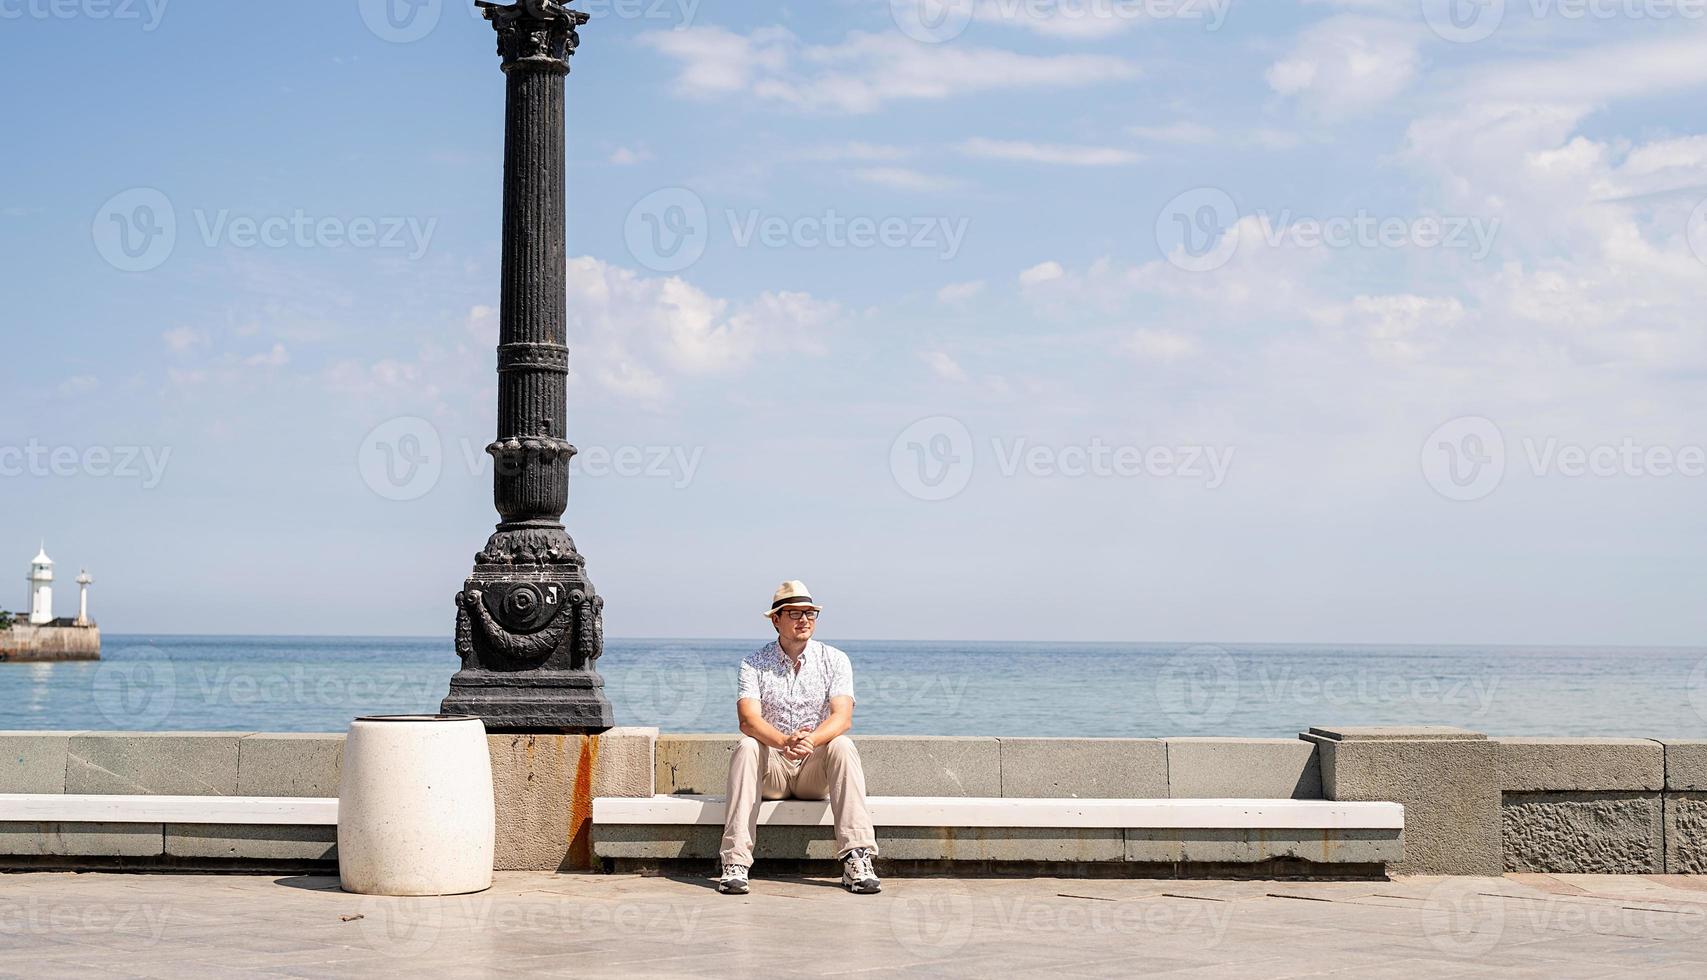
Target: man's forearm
{"x": 833, "y": 727}
{"x": 764, "y": 731}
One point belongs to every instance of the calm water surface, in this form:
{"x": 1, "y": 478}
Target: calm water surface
{"x": 180, "y": 683}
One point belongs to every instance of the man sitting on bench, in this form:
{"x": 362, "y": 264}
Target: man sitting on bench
{"x": 796, "y": 705}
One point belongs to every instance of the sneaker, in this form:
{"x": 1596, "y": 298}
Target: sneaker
{"x": 858, "y": 876}
{"x": 734, "y": 880}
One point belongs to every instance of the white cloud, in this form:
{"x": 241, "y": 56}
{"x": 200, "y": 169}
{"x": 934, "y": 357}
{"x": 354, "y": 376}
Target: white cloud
{"x": 856, "y": 151}
{"x": 958, "y": 293}
{"x": 1091, "y": 20}
{"x": 1175, "y": 132}
{"x": 628, "y": 156}
{"x": 904, "y": 179}
{"x": 277, "y": 357}
{"x": 943, "y": 366}
{"x": 80, "y": 384}
{"x": 1052, "y": 153}
{"x": 483, "y": 325}
{"x": 1348, "y": 65}
{"x": 633, "y": 332}
{"x": 1043, "y": 272}
{"x": 1160, "y": 345}
{"x": 182, "y": 339}
{"x": 863, "y": 72}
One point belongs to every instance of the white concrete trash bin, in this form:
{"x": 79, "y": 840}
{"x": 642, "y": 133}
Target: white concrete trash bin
{"x": 415, "y": 811}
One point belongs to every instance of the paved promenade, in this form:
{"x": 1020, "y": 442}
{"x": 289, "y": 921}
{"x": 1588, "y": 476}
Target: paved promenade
{"x": 185, "y": 926}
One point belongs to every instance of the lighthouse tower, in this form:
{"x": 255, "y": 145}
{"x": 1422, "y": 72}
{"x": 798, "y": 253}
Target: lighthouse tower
{"x": 41, "y": 589}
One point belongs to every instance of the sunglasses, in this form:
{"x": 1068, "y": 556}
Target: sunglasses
{"x": 799, "y": 614}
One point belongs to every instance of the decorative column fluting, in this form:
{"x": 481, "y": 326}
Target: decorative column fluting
{"x": 529, "y": 625}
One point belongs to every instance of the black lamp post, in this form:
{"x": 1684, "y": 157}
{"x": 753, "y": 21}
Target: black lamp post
{"x": 529, "y": 625}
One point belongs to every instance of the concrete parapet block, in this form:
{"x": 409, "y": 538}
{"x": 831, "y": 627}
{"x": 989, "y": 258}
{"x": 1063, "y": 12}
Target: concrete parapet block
{"x": 1243, "y": 769}
{"x": 910, "y": 765}
{"x": 153, "y": 763}
{"x": 289, "y": 765}
{"x": 895, "y": 765}
{"x": 34, "y": 762}
{"x": 1169, "y": 846}
{"x": 696, "y": 765}
{"x": 97, "y": 840}
{"x": 533, "y": 782}
{"x": 1083, "y": 768}
{"x": 1583, "y": 833}
{"x": 666, "y": 843}
{"x": 240, "y": 842}
{"x": 1539, "y": 765}
{"x": 1686, "y": 763}
{"x": 1447, "y": 779}
{"x": 625, "y": 762}
{"x": 1686, "y": 832}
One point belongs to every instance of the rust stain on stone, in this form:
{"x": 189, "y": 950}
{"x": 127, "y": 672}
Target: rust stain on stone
{"x": 581, "y": 807}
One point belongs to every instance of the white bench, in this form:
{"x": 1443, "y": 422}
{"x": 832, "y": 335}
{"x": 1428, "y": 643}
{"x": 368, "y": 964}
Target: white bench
{"x": 252, "y": 810}
{"x": 952, "y": 811}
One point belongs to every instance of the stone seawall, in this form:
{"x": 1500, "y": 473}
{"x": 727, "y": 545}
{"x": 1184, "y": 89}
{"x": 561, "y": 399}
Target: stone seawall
{"x": 28, "y": 644}
{"x": 1474, "y": 804}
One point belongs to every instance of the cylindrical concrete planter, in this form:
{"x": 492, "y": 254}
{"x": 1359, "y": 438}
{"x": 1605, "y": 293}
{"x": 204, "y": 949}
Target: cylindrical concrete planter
{"x": 415, "y": 812}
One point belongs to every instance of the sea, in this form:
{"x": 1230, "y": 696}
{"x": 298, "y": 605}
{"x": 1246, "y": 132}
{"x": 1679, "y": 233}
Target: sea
{"x": 318, "y": 684}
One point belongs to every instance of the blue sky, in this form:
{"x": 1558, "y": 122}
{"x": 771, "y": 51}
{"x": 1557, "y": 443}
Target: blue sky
{"x": 1339, "y": 320}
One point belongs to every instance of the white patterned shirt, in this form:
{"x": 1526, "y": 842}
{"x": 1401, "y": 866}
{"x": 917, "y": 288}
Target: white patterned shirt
{"x": 791, "y": 701}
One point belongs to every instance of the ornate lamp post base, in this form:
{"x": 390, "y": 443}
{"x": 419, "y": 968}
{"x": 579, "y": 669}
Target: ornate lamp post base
{"x": 529, "y": 625}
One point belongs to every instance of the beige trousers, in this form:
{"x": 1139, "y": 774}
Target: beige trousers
{"x": 758, "y": 772}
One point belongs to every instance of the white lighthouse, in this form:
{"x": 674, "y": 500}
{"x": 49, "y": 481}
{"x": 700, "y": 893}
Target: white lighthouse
{"x": 41, "y": 588}
{"x": 83, "y": 583}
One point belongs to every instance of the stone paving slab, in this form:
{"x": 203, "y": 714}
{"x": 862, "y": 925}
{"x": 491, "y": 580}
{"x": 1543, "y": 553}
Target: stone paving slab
{"x": 533, "y": 924}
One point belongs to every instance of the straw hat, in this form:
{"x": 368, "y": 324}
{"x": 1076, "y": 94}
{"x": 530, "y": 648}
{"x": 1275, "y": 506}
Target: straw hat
{"x": 791, "y": 595}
